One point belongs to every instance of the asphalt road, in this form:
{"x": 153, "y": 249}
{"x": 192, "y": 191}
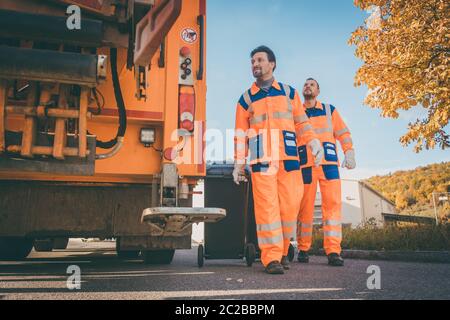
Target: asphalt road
{"x": 103, "y": 276}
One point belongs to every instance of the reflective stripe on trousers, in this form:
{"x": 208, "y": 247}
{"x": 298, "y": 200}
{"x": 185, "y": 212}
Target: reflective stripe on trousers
{"x": 304, "y": 229}
{"x": 290, "y": 229}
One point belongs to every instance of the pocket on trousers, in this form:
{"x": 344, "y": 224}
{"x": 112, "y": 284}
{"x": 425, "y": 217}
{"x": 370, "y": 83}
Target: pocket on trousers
{"x": 330, "y": 151}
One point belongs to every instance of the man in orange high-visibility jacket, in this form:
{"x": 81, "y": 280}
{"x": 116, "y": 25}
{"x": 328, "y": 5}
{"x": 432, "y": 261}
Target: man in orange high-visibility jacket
{"x": 329, "y": 126}
{"x": 269, "y": 118}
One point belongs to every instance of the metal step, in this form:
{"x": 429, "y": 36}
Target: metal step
{"x": 176, "y": 221}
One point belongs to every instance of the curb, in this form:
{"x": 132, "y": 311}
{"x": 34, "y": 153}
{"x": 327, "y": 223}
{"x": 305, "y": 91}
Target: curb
{"x": 405, "y": 256}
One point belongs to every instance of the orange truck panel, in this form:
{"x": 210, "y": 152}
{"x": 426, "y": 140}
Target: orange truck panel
{"x": 136, "y": 163}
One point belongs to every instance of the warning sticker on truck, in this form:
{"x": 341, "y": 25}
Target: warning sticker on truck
{"x": 189, "y": 35}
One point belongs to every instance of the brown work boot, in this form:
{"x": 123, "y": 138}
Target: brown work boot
{"x": 274, "y": 268}
{"x": 285, "y": 263}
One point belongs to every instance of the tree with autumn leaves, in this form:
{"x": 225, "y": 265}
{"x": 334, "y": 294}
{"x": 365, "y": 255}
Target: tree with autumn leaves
{"x": 405, "y": 48}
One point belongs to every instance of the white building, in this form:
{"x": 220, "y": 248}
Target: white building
{"x": 360, "y": 203}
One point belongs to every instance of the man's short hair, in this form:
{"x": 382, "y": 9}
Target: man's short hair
{"x": 312, "y": 79}
{"x": 269, "y": 52}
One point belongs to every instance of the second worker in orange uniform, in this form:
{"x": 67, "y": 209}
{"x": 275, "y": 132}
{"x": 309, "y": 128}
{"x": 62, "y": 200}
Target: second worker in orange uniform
{"x": 329, "y": 126}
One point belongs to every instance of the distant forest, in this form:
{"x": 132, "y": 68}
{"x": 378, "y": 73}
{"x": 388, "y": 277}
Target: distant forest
{"x": 412, "y": 190}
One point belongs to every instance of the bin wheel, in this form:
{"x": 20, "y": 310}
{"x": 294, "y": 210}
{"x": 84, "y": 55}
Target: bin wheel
{"x": 250, "y": 254}
{"x": 200, "y": 256}
{"x": 291, "y": 253}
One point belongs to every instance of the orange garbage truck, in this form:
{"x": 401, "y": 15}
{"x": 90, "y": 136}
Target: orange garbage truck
{"x": 102, "y": 122}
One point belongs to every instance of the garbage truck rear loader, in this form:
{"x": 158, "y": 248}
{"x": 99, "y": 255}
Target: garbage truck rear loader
{"x": 102, "y": 119}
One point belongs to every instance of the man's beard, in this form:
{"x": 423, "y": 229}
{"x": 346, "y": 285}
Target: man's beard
{"x": 308, "y": 96}
{"x": 257, "y": 73}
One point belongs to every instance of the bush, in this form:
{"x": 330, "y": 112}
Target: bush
{"x": 407, "y": 238}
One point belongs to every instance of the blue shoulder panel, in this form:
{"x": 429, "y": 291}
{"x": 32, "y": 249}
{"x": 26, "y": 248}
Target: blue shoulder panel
{"x": 292, "y": 93}
{"x": 243, "y": 103}
{"x": 332, "y": 108}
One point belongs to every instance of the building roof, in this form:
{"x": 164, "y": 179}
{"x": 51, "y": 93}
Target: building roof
{"x": 367, "y": 186}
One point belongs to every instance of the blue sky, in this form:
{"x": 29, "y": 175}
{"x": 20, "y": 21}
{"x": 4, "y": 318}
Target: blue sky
{"x": 309, "y": 39}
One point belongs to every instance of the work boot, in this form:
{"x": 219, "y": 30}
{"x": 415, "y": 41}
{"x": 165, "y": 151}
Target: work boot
{"x": 335, "y": 260}
{"x": 274, "y": 268}
{"x": 303, "y": 257}
{"x": 285, "y": 263}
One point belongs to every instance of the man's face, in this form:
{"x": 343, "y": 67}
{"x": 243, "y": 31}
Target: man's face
{"x": 261, "y": 66}
{"x": 310, "y": 90}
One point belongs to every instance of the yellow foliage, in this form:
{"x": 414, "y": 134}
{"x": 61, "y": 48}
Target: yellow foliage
{"x": 406, "y": 56}
{"x": 412, "y": 190}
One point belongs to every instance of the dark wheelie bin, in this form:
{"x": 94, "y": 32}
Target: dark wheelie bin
{"x": 235, "y": 236}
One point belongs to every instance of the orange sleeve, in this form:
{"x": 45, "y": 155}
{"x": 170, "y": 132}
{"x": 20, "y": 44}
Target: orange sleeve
{"x": 341, "y": 132}
{"x": 303, "y": 127}
{"x": 242, "y": 125}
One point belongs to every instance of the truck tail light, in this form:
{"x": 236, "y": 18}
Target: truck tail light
{"x": 187, "y": 108}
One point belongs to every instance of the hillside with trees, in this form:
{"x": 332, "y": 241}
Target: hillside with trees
{"x": 412, "y": 191}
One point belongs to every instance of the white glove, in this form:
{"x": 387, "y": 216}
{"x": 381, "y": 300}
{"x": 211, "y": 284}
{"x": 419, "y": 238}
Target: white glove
{"x": 349, "y": 161}
{"x": 239, "y": 174}
{"x": 317, "y": 151}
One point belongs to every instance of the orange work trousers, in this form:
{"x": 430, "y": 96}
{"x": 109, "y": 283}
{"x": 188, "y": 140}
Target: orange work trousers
{"x": 276, "y": 195}
{"x": 330, "y": 188}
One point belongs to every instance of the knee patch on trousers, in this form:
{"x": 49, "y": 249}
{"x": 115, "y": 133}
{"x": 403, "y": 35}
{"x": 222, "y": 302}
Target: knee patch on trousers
{"x": 291, "y": 165}
{"x": 331, "y": 172}
{"x": 307, "y": 175}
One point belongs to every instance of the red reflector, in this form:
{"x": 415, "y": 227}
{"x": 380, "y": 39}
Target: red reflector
{"x": 187, "y": 108}
{"x": 169, "y": 154}
{"x": 188, "y": 125}
{"x": 185, "y": 52}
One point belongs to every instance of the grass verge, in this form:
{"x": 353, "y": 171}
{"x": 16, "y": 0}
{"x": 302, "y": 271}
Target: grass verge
{"x": 407, "y": 238}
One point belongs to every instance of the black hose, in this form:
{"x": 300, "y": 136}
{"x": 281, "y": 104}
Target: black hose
{"x": 120, "y": 104}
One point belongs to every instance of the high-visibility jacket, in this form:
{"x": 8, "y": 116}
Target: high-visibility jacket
{"x": 269, "y": 123}
{"x": 329, "y": 126}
